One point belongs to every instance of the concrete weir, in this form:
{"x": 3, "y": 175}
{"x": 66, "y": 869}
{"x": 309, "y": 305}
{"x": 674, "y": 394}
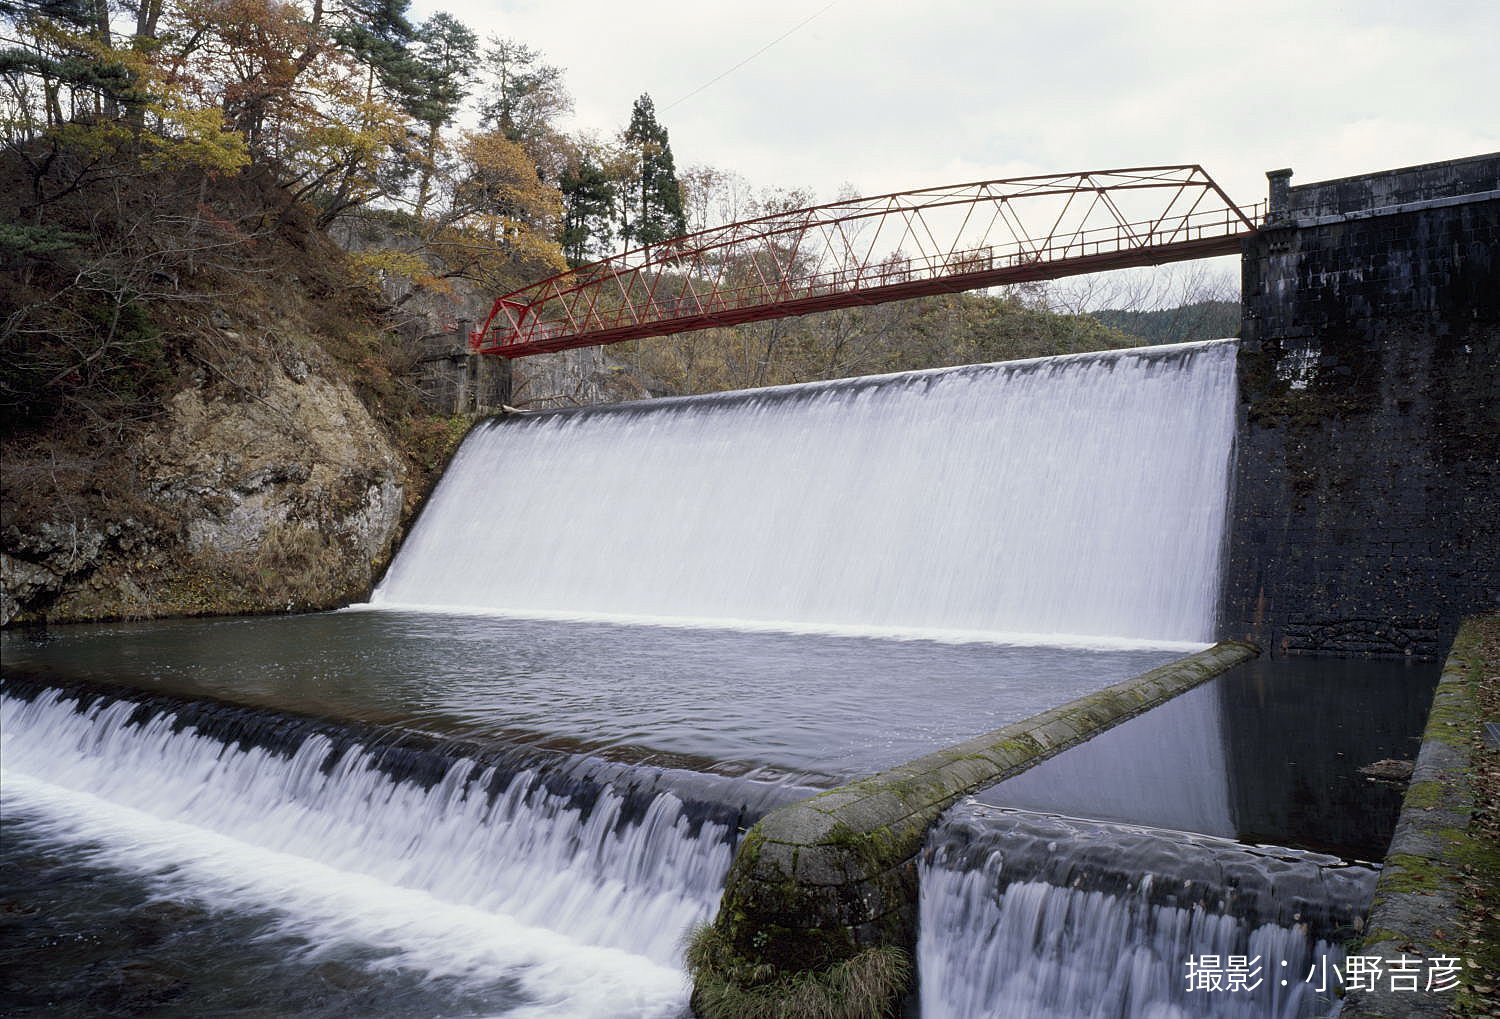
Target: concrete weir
{"x": 820, "y": 903}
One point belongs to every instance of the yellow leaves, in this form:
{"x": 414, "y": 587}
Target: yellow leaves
{"x": 377, "y": 265}
{"x": 189, "y": 136}
{"x": 499, "y": 263}
{"x": 142, "y": 108}
{"x": 537, "y": 248}
{"x": 499, "y": 177}
{"x": 433, "y": 284}
{"x": 504, "y": 220}
{"x": 92, "y": 140}
{"x": 58, "y": 37}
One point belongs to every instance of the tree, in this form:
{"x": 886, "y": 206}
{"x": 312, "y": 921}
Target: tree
{"x": 447, "y": 51}
{"x": 381, "y": 41}
{"x": 590, "y": 189}
{"x": 528, "y": 95}
{"x": 62, "y": 65}
{"x": 656, "y": 207}
{"x": 502, "y": 220}
{"x": 713, "y": 197}
{"x": 701, "y": 185}
{"x": 78, "y": 108}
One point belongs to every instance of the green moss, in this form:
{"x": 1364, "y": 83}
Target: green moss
{"x": 1423, "y": 795}
{"x": 1405, "y": 873}
{"x": 750, "y": 846}
{"x": 1457, "y": 838}
{"x": 1376, "y": 935}
{"x": 1023, "y": 748}
{"x": 876, "y": 850}
{"x": 911, "y": 789}
{"x": 1454, "y": 712}
{"x": 1446, "y": 722}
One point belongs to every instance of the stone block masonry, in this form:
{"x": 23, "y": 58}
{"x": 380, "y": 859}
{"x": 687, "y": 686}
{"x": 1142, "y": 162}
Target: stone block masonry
{"x": 1367, "y": 483}
{"x": 455, "y": 381}
{"x": 825, "y": 885}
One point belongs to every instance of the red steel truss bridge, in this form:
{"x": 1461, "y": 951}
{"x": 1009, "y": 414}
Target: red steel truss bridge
{"x": 870, "y": 250}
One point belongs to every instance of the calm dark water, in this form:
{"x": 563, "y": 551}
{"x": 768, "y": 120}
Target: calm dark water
{"x": 1269, "y": 752}
{"x": 819, "y": 707}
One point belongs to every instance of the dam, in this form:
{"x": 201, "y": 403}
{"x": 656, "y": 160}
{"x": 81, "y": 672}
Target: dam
{"x": 514, "y": 781}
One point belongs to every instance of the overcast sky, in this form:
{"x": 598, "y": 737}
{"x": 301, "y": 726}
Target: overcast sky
{"x": 896, "y": 94}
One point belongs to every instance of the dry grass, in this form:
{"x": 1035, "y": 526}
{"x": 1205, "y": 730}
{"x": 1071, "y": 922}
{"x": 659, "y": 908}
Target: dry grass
{"x": 868, "y": 986}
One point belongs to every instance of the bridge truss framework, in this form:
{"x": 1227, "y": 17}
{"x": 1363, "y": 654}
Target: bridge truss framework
{"x": 870, "y": 250}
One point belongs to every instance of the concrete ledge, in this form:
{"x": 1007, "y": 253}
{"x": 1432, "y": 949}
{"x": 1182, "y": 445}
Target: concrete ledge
{"x": 1417, "y": 898}
{"x": 818, "y": 882}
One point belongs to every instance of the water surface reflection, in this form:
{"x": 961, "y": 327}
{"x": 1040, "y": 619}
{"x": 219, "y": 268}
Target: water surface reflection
{"x": 810, "y": 705}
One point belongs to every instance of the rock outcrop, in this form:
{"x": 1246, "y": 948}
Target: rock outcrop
{"x": 279, "y": 492}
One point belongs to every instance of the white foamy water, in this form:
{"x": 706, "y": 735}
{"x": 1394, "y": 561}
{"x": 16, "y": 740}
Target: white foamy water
{"x": 997, "y": 942}
{"x": 1081, "y": 496}
{"x": 585, "y": 913}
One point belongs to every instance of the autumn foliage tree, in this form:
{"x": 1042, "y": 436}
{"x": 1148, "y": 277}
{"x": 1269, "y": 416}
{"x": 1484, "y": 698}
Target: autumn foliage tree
{"x": 501, "y": 221}
{"x": 152, "y": 157}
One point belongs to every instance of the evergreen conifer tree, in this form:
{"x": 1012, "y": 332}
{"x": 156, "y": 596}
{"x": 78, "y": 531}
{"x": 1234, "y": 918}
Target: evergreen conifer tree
{"x": 589, "y": 194}
{"x": 657, "y": 202}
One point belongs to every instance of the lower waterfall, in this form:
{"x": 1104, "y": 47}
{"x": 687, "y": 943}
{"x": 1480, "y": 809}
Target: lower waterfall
{"x": 1053, "y": 918}
{"x": 445, "y": 867}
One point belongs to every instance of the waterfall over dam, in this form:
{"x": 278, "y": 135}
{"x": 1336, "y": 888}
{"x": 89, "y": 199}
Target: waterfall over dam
{"x": 402, "y": 859}
{"x": 1082, "y": 495}
{"x": 490, "y": 792}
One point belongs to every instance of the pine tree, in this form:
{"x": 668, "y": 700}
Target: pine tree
{"x": 446, "y": 51}
{"x": 380, "y": 37}
{"x": 657, "y": 203}
{"x": 588, "y": 193}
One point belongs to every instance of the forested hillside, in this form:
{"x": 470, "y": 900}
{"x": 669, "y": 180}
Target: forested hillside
{"x": 927, "y": 332}
{"x": 1198, "y": 320}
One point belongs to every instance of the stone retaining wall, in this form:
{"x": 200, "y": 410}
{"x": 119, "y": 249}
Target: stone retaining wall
{"x": 1415, "y": 913}
{"x": 455, "y": 381}
{"x": 817, "y": 883}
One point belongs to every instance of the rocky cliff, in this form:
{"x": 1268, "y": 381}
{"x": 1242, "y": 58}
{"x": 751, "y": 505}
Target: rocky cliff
{"x": 277, "y": 492}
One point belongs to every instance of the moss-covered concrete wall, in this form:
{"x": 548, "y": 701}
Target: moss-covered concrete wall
{"x": 1442, "y": 855}
{"x": 827, "y": 887}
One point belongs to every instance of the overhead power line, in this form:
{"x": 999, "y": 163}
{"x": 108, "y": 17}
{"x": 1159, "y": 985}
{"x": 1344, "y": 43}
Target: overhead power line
{"x": 742, "y": 63}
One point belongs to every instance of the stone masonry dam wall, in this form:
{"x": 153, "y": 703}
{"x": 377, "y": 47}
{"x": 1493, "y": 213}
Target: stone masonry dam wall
{"x": 1368, "y": 478}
